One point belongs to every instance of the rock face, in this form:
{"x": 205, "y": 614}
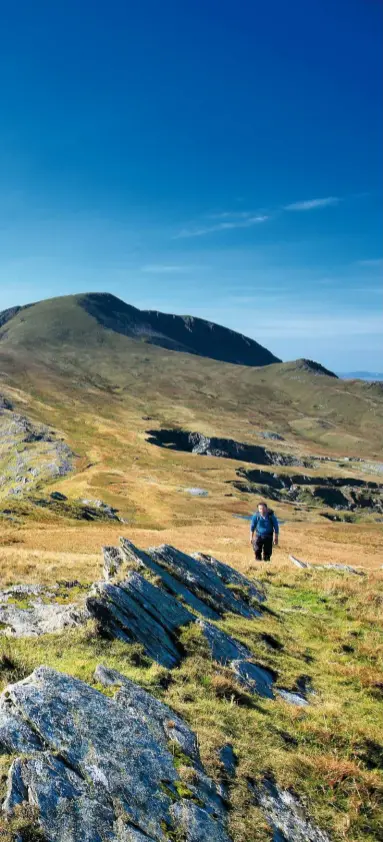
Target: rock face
{"x": 100, "y": 768}
{"x": 26, "y": 612}
{"x": 29, "y": 453}
{"x": 136, "y": 610}
{"x": 348, "y": 493}
{"x": 286, "y": 815}
{"x": 202, "y": 578}
{"x": 133, "y": 609}
{"x": 227, "y": 448}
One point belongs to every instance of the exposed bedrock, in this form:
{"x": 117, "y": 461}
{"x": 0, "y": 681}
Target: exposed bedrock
{"x": 131, "y": 608}
{"x": 286, "y": 814}
{"x": 335, "y": 492}
{"x": 228, "y": 448}
{"x": 98, "y": 768}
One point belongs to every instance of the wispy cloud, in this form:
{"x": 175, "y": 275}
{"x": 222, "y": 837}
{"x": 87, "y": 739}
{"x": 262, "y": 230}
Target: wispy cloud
{"x": 311, "y": 204}
{"x": 164, "y": 269}
{"x": 231, "y": 215}
{"x": 373, "y": 263}
{"x": 222, "y": 226}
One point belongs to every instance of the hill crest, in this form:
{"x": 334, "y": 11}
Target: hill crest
{"x": 188, "y": 334}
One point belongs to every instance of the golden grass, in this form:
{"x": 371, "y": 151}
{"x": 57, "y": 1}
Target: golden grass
{"x": 44, "y": 552}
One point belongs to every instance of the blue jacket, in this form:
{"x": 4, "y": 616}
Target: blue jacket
{"x": 264, "y": 525}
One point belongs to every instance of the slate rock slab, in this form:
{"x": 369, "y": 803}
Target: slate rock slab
{"x": 223, "y": 647}
{"x": 225, "y": 650}
{"x": 286, "y": 815}
{"x": 137, "y": 610}
{"x": 255, "y": 678}
{"x": 100, "y": 769}
{"x": 230, "y": 576}
{"x": 228, "y": 759}
{"x": 201, "y": 579}
{"x": 135, "y": 556}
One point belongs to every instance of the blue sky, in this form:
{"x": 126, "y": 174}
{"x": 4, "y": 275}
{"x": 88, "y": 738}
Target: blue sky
{"x": 210, "y": 157}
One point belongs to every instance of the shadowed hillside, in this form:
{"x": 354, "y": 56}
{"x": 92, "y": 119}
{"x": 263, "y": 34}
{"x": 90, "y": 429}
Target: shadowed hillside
{"x": 177, "y": 333}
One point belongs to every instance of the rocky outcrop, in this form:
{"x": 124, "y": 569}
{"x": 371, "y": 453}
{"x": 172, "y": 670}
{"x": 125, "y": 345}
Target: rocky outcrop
{"x": 100, "y": 768}
{"x": 131, "y": 608}
{"x": 345, "y": 568}
{"x": 188, "y": 442}
{"x": 31, "y": 610}
{"x": 350, "y": 493}
{"x": 202, "y": 579}
{"x": 137, "y": 610}
{"x": 285, "y": 814}
{"x": 29, "y": 453}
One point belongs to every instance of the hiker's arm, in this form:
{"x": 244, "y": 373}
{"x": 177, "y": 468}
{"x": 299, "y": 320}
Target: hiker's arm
{"x": 252, "y": 528}
{"x": 276, "y": 530}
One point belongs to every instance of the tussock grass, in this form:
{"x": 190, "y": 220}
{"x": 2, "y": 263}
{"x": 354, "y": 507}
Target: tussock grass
{"x": 329, "y": 628}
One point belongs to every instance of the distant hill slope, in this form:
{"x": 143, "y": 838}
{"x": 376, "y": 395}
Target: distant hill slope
{"x": 93, "y": 356}
{"x": 176, "y": 333}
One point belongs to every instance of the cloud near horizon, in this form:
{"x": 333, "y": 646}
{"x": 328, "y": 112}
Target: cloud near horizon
{"x": 311, "y": 204}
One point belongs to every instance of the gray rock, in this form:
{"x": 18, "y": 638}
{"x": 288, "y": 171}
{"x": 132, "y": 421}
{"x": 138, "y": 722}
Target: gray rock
{"x": 163, "y": 722}
{"x": 197, "y": 492}
{"x": 228, "y": 760}
{"x": 200, "y": 578}
{"x": 223, "y": 648}
{"x": 144, "y": 560}
{"x": 291, "y": 697}
{"x": 265, "y": 434}
{"x": 104, "y": 509}
{"x": 137, "y": 610}
{"x": 15, "y": 735}
{"x": 197, "y": 824}
{"x": 345, "y": 568}
{"x": 286, "y": 815}
{"x": 230, "y": 576}
{"x": 57, "y": 495}
{"x": 40, "y": 618}
{"x": 113, "y": 561}
{"x": 254, "y": 678}
{"x": 104, "y": 771}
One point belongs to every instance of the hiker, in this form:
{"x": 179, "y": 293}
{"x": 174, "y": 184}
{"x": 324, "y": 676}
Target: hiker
{"x": 266, "y": 528}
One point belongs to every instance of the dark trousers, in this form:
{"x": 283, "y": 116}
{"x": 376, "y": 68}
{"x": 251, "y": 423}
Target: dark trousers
{"x": 263, "y": 544}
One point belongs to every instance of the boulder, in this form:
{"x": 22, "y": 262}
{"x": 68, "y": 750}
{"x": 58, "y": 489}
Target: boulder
{"x": 104, "y": 770}
{"x": 345, "y": 568}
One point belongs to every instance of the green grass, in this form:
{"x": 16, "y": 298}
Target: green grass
{"x": 96, "y": 388}
{"x": 329, "y": 753}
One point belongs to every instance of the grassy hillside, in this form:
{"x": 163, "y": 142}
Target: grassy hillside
{"x": 98, "y": 391}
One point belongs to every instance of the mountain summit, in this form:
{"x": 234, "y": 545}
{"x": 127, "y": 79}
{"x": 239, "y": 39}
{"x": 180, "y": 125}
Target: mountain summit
{"x": 58, "y": 319}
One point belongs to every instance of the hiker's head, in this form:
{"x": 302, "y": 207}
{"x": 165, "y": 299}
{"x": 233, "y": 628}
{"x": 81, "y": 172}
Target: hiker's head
{"x": 262, "y": 508}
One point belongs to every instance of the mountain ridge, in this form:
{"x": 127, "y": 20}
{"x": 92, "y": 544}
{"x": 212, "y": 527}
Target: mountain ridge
{"x": 187, "y": 334}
